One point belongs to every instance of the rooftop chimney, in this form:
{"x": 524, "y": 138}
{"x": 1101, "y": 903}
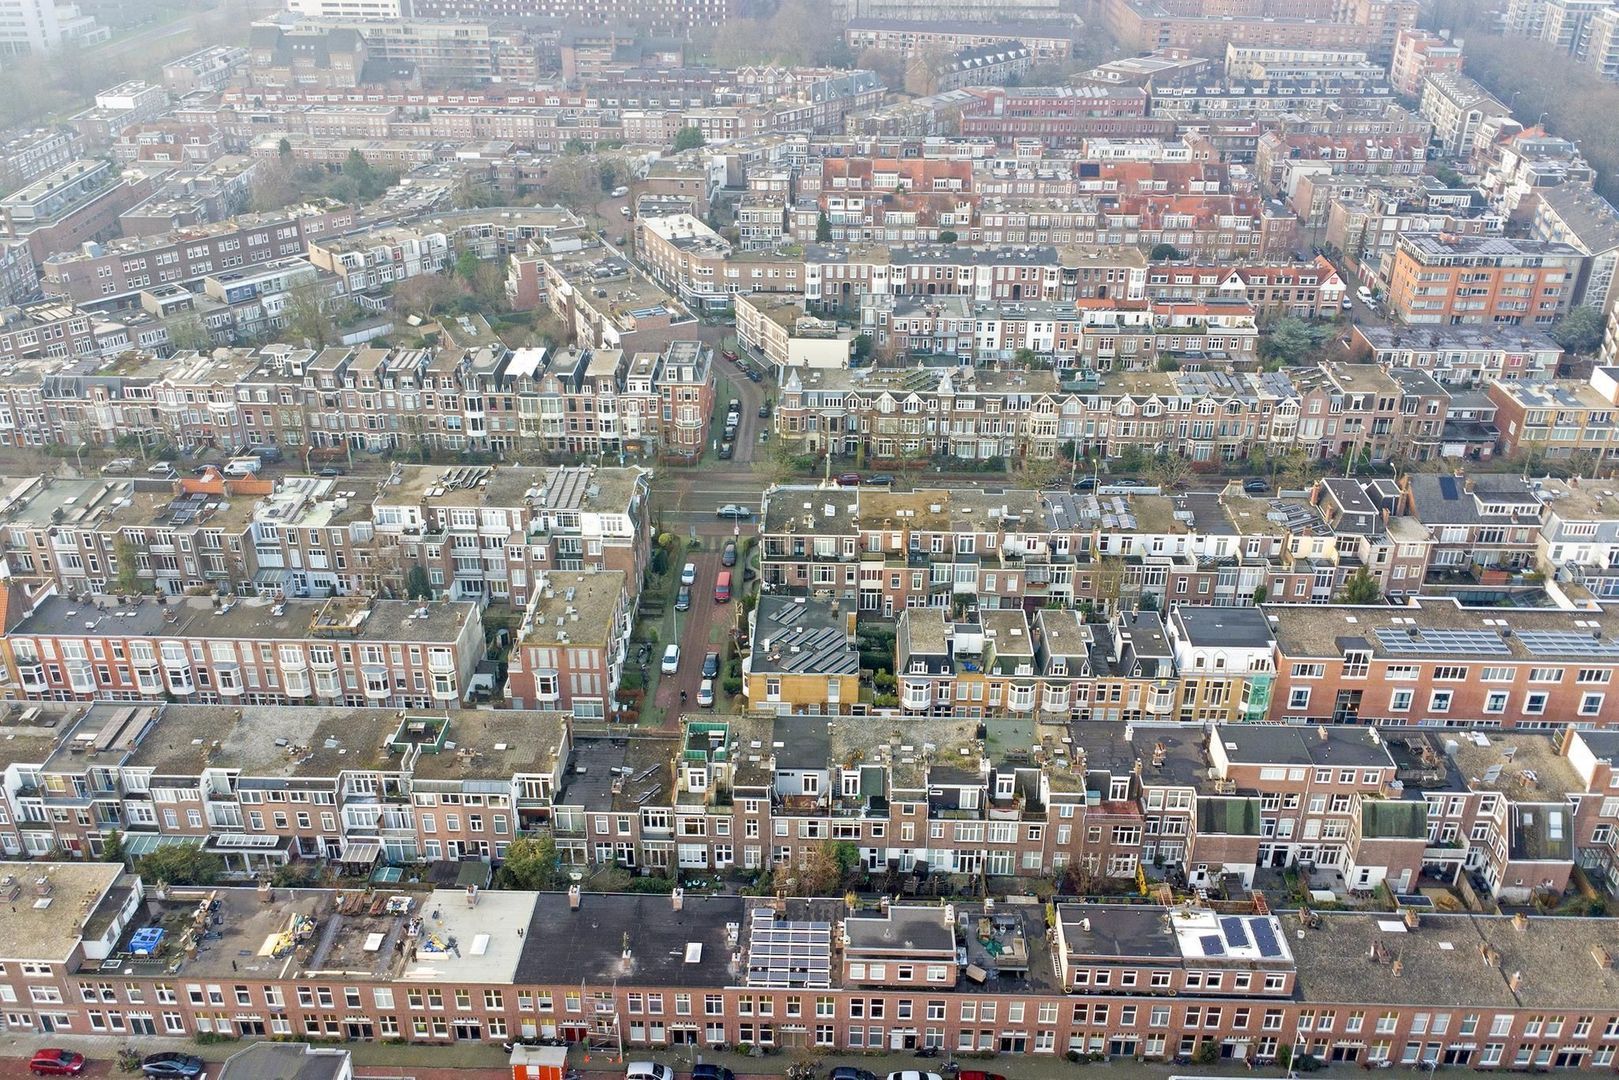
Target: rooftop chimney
{"x": 1520, "y": 922}
{"x": 677, "y": 899}
{"x": 573, "y": 898}
{"x": 1516, "y": 982}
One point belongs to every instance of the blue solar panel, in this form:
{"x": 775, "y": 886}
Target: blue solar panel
{"x": 1235, "y": 935}
{"x": 1265, "y": 939}
{"x": 1212, "y": 945}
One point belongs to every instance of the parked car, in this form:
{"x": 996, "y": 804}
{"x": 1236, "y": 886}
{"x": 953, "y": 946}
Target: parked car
{"x": 688, "y": 574}
{"x": 706, "y": 1071}
{"x": 705, "y": 697}
{"x": 172, "y": 1064}
{"x": 119, "y": 465}
{"x": 648, "y": 1070}
{"x": 728, "y": 553}
{"x": 683, "y": 598}
{"x": 1365, "y": 294}
{"x": 849, "y": 1072}
{"x": 722, "y": 587}
{"x": 729, "y": 355}
{"x": 1255, "y": 485}
{"x": 54, "y": 1062}
{"x": 268, "y": 453}
{"x": 1085, "y": 483}
{"x": 734, "y": 510}
{"x": 912, "y": 1074}
{"x": 726, "y": 450}
{"x": 1348, "y": 304}
{"x": 711, "y": 664}
{"x": 1124, "y": 482}
{"x": 849, "y": 479}
{"x": 881, "y": 478}
{"x": 764, "y": 410}
{"x": 975, "y": 1074}
{"x": 620, "y": 192}
{"x": 163, "y": 469}
{"x": 330, "y": 470}
{"x": 624, "y": 211}
{"x": 671, "y": 659}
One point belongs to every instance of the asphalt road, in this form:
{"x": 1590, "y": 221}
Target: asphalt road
{"x": 703, "y": 628}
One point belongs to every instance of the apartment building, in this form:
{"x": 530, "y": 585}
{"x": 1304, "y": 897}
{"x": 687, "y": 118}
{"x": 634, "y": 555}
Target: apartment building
{"x": 1310, "y": 290}
{"x": 1458, "y": 108}
{"x": 1419, "y": 53}
{"x": 27, "y": 155}
{"x": 703, "y": 269}
{"x": 1576, "y": 544}
{"x": 116, "y": 272}
{"x": 1047, "y": 41}
{"x": 1334, "y": 972}
{"x": 782, "y": 330}
{"x": 571, "y": 648}
{"x": 1442, "y": 278}
{"x": 1575, "y": 215}
{"x": 804, "y": 657}
{"x": 1435, "y": 663}
{"x": 1207, "y": 27}
{"x": 837, "y": 276}
{"x": 263, "y": 788}
{"x": 1461, "y": 355}
{"x": 1555, "y": 419}
{"x": 377, "y": 260}
{"x": 1061, "y": 117}
{"x": 347, "y": 650}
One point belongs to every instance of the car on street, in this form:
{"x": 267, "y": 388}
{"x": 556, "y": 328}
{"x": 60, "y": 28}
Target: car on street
{"x": 1085, "y": 483}
{"x": 1365, "y": 294}
{"x": 620, "y": 191}
{"x": 683, "y": 598}
{"x": 705, "y": 697}
{"x": 173, "y": 1064}
{"x": 706, "y": 1071}
{"x": 671, "y": 659}
{"x": 849, "y": 1072}
{"x": 733, "y": 510}
{"x": 711, "y": 664}
{"x": 912, "y": 1074}
{"x": 1124, "y": 482}
{"x": 55, "y": 1062}
{"x": 764, "y": 409}
{"x": 881, "y": 478}
{"x": 729, "y": 355}
{"x": 849, "y": 479}
{"x": 728, "y": 553}
{"x": 624, "y": 211}
{"x": 688, "y": 574}
{"x": 977, "y": 1074}
{"x": 331, "y": 470}
{"x": 752, "y": 374}
{"x": 1255, "y": 485}
{"x": 648, "y": 1070}
{"x": 727, "y": 449}
{"x": 1348, "y": 305}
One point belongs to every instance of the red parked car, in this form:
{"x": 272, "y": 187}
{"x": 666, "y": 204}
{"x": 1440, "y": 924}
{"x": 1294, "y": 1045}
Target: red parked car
{"x": 729, "y": 355}
{"x": 56, "y": 1063}
{"x": 849, "y": 479}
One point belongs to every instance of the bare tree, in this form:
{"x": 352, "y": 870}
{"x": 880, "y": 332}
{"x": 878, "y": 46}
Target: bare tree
{"x": 307, "y": 320}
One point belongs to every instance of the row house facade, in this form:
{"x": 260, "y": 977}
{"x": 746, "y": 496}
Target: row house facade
{"x": 349, "y": 651}
{"x": 1127, "y": 981}
{"x": 480, "y": 532}
{"x": 342, "y": 785}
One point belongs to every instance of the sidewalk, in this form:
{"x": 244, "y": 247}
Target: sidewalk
{"x": 487, "y": 1061}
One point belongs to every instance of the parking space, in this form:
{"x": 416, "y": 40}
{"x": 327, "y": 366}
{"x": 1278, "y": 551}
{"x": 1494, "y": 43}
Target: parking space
{"x": 706, "y": 626}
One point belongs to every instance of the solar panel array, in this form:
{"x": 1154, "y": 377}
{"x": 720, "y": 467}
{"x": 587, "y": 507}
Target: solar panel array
{"x": 1232, "y": 928}
{"x": 789, "y": 954}
{"x": 1212, "y": 945}
{"x": 1567, "y": 643}
{"x": 1424, "y": 641}
{"x": 1265, "y": 938}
